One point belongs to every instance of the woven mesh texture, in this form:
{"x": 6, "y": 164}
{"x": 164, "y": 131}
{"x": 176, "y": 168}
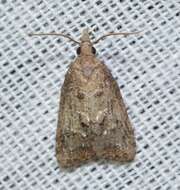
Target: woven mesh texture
{"x": 32, "y": 69}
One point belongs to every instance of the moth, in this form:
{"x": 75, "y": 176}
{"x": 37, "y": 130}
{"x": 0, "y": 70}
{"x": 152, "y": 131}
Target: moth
{"x": 93, "y": 122}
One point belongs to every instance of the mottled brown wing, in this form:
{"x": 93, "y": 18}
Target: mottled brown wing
{"x": 93, "y": 121}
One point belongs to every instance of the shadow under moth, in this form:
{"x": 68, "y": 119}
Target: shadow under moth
{"x": 93, "y": 122}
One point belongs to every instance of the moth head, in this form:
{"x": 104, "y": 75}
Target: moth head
{"x": 86, "y": 49}
{"x": 86, "y": 46}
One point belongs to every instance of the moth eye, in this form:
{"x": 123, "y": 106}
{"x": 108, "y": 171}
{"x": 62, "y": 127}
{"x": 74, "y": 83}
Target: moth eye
{"x": 80, "y": 95}
{"x": 93, "y": 50}
{"x": 78, "y": 51}
{"x": 98, "y": 93}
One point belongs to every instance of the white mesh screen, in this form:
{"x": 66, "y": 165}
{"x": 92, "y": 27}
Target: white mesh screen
{"x": 32, "y": 69}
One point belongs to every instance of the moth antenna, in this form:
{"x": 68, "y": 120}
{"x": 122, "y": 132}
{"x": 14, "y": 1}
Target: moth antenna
{"x": 114, "y": 34}
{"x": 54, "y": 34}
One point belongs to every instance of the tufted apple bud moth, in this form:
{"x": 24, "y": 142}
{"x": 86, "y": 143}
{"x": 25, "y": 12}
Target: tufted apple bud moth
{"x": 93, "y": 121}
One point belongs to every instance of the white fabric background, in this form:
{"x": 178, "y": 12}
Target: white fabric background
{"x": 32, "y": 69}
